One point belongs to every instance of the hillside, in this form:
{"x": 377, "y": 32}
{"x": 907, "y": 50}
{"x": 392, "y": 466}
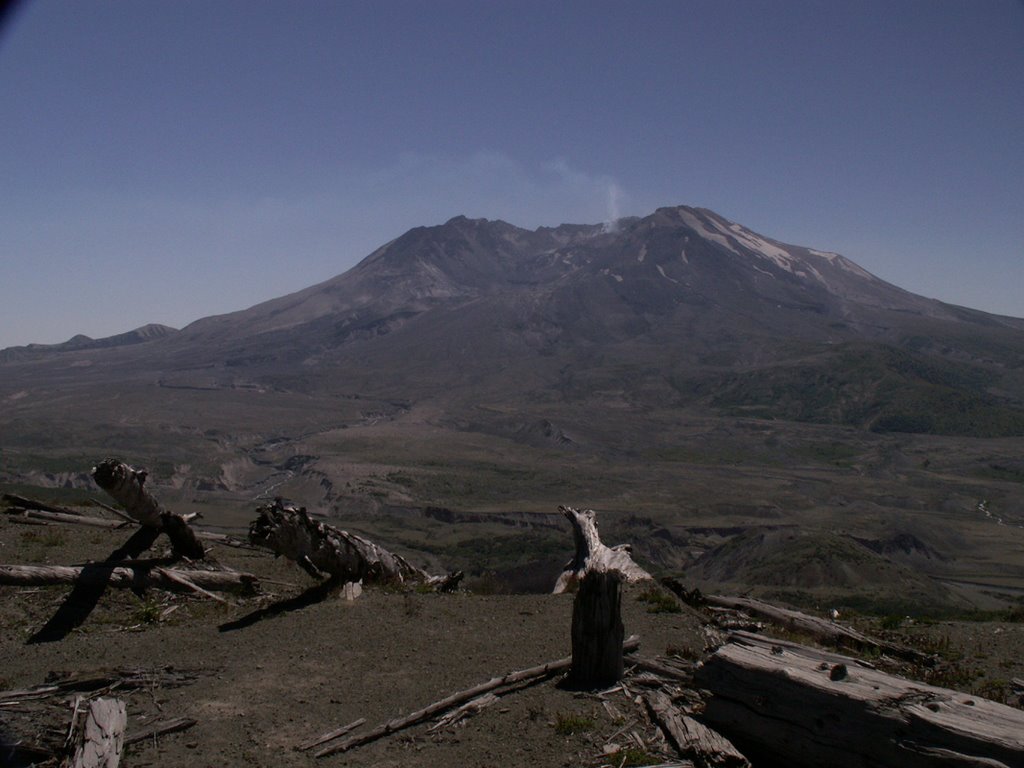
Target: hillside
{"x": 680, "y": 372}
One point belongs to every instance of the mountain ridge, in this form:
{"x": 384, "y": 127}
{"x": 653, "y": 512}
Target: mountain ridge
{"x": 678, "y": 307}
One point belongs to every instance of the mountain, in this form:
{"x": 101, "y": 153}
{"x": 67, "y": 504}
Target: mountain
{"x": 680, "y": 307}
{"x": 694, "y": 380}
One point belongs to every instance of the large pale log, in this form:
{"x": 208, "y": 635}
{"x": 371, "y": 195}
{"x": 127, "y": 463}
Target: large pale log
{"x": 531, "y": 674}
{"x": 828, "y": 632}
{"x": 592, "y": 555}
{"x": 806, "y": 707}
{"x": 128, "y": 577}
{"x": 126, "y": 485}
{"x": 102, "y": 736}
{"x": 322, "y": 549}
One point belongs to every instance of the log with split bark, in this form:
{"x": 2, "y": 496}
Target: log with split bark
{"x": 126, "y": 485}
{"x": 802, "y": 706}
{"x": 691, "y": 738}
{"x": 323, "y": 550}
{"x": 101, "y": 738}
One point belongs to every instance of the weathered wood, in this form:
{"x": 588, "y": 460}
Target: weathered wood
{"x": 322, "y": 549}
{"x": 128, "y": 577}
{"x": 64, "y": 517}
{"x": 162, "y": 728}
{"x": 102, "y": 736}
{"x": 825, "y": 631}
{"x": 126, "y": 485}
{"x": 25, "y": 503}
{"x": 592, "y": 555}
{"x": 597, "y": 631}
{"x": 459, "y": 715}
{"x": 692, "y": 739}
{"x": 331, "y": 735}
{"x": 530, "y": 675}
{"x": 807, "y": 707}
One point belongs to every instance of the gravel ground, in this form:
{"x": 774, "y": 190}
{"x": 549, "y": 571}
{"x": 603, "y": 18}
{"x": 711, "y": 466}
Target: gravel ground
{"x": 260, "y": 690}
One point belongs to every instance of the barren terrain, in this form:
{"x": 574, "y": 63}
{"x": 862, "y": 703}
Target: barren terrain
{"x": 258, "y": 688}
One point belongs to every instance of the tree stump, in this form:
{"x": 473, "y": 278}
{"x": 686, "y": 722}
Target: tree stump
{"x": 597, "y": 631}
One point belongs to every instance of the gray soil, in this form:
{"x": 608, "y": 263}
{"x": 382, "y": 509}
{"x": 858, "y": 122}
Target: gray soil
{"x": 262, "y": 689}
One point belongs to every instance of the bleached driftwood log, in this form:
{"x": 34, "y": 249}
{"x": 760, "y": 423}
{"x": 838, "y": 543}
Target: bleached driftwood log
{"x": 322, "y": 549}
{"x": 592, "y": 555}
{"x": 128, "y": 577}
{"x": 828, "y": 632}
{"x": 691, "y": 738}
{"x": 126, "y": 485}
{"x": 806, "y": 707}
{"x": 102, "y": 735}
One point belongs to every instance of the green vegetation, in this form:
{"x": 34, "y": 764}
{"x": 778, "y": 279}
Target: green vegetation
{"x": 882, "y": 388}
{"x": 659, "y": 601}
{"x": 147, "y": 611}
{"x": 570, "y": 723}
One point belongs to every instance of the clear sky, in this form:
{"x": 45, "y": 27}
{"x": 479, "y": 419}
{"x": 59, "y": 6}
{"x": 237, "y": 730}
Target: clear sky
{"x": 165, "y": 160}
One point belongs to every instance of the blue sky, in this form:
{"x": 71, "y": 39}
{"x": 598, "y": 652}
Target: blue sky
{"x": 164, "y": 161}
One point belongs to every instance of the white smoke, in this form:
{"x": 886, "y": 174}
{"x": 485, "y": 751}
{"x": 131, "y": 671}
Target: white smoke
{"x": 614, "y": 195}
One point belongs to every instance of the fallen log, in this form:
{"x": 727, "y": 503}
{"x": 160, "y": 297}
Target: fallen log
{"x": 25, "y": 513}
{"x": 322, "y": 549}
{"x": 331, "y": 735}
{"x": 128, "y": 577}
{"x": 174, "y": 725}
{"x": 592, "y": 555}
{"x": 690, "y": 738}
{"x": 806, "y": 707}
{"x": 530, "y": 675}
{"x": 825, "y": 631}
{"x": 126, "y": 485}
{"x": 64, "y": 517}
{"x": 102, "y": 735}
{"x": 25, "y": 503}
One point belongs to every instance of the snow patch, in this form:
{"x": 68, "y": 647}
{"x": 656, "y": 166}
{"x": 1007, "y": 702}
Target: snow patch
{"x": 776, "y": 254}
{"x": 643, "y": 254}
{"x": 682, "y": 255}
{"x": 662, "y": 271}
{"x": 843, "y": 263}
{"x": 694, "y": 223}
{"x": 609, "y": 273}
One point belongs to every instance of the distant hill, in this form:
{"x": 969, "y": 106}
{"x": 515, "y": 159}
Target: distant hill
{"x": 81, "y": 341}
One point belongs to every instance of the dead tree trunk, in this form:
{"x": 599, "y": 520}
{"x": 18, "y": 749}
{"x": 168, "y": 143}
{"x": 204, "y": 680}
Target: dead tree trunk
{"x": 597, "y": 631}
{"x": 592, "y": 554}
{"x": 126, "y": 484}
{"x": 806, "y": 707}
{"x": 321, "y": 549}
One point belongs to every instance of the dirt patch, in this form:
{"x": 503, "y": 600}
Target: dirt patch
{"x": 260, "y": 690}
